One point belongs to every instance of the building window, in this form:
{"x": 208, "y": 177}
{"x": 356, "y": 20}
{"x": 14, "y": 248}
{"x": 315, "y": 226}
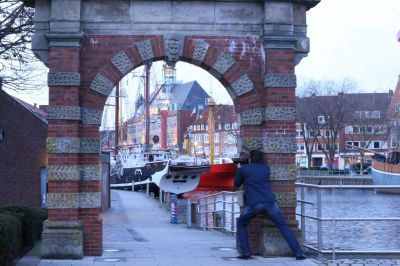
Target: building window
{"x": 367, "y": 114}
{"x": 321, "y": 120}
{"x": 376, "y": 114}
{"x": 300, "y": 147}
{"x": 231, "y": 139}
{"x": 216, "y": 138}
{"x": 379, "y": 129}
{"x": 394, "y": 143}
{"x": 348, "y": 129}
{"x": 202, "y": 127}
{"x": 377, "y": 144}
{"x": 319, "y": 147}
{"x": 352, "y": 144}
{"x": 349, "y": 144}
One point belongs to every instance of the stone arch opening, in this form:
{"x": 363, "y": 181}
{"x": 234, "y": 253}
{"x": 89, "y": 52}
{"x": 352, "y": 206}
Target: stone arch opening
{"x": 251, "y": 47}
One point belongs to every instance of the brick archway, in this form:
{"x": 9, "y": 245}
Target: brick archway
{"x": 86, "y": 59}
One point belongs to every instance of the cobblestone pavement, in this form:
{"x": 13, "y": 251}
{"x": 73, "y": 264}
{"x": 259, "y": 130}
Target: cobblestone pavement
{"x": 137, "y": 231}
{"x": 360, "y": 262}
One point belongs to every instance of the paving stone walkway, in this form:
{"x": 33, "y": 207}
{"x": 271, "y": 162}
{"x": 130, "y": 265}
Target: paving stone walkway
{"x": 137, "y": 231}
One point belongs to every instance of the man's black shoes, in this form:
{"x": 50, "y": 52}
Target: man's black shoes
{"x": 300, "y": 257}
{"x": 244, "y": 257}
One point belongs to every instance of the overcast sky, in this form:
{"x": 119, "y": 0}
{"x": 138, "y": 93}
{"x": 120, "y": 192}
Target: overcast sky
{"x": 353, "y": 39}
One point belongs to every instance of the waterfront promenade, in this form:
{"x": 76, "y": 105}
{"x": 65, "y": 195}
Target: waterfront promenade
{"x": 137, "y": 231}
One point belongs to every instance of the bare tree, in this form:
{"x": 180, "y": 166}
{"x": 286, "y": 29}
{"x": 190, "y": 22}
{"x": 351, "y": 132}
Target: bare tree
{"x": 20, "y": 69}
{"x": 367, "y": 122}
{"x": 304, "y": 117}
{"x": 322, "y": 110}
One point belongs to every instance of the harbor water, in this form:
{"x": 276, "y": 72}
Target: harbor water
{"x": 353, "y": 235}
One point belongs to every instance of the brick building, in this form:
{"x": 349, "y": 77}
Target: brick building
{"x": 394, "y": 118}
{"x": 178, "y": 116}
{"x": 360, "y": 124}
{"x": 23, "y": 157}
{"x": 226, "y": 133}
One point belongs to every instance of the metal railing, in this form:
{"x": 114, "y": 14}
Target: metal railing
{"x": 336, "y": 180}
{"x": 334, "y": 218}
{"x": 219, "y": 211}
{"x": 308, "y": 173}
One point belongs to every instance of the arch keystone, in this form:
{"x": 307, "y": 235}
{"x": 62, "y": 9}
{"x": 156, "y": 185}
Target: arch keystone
{"x": 173, "y": 47}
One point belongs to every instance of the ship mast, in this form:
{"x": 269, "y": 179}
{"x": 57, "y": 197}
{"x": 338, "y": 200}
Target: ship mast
{"x": 116, "y": 128}
{"x": 211, "y": 104}
{"x": 147, "y": 108}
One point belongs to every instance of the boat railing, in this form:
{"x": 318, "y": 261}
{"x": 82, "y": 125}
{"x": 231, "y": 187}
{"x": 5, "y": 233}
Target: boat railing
{"x": 318, "y": 209}
{"x": 219, "y": 211}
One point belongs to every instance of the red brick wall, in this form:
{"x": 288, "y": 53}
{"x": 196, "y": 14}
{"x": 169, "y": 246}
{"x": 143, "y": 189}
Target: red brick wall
{"x": 22, "y": 153}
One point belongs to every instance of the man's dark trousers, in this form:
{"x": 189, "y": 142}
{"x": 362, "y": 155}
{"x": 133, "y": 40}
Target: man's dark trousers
{"x": 272, "y": 211}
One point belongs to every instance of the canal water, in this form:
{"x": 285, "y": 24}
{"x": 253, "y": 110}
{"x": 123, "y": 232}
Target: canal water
{"x": 353, "y": 235}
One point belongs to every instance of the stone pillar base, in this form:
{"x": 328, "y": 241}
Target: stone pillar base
{"x": 62, "y": 240}
{"x": 272, "y": 243}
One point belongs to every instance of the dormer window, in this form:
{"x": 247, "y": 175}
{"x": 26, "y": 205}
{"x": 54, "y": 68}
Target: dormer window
{"x": 321, "y": 120}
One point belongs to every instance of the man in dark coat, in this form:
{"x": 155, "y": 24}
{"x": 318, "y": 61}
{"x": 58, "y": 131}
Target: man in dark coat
{"x": 259, "y": 199}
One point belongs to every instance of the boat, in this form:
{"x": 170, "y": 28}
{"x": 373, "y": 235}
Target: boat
{"x": 219, "y": 178}
{"x": 138, "y": 165}
{"x": 387, "y": 172}
{"x": 175, "y": 178}
{"x": 161, "y": 169}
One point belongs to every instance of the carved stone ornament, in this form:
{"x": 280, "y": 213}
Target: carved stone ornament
{"x": 280, "y": 81}
{"x": 63, "y": 79}
{"x": 145, "y": 50}
{"x": 200, "y": 51}
{"x": 122, "y": 62}
{"x": 242, "y": 85}
{"x": 173, "y": 45}
{"x": 223, "y": 63}
{"x": 102, "y": 84}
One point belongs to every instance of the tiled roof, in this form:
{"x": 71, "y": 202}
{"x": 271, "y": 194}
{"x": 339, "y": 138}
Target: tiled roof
{"x": 188, "y": 95}
{"x": 223, "y": 113}
{"x": 354, "y": 101}
{"x": 39, "y": 113}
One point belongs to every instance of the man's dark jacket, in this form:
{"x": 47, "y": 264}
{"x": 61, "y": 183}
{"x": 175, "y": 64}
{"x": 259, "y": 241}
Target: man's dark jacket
{"x": 255, "y": 177}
